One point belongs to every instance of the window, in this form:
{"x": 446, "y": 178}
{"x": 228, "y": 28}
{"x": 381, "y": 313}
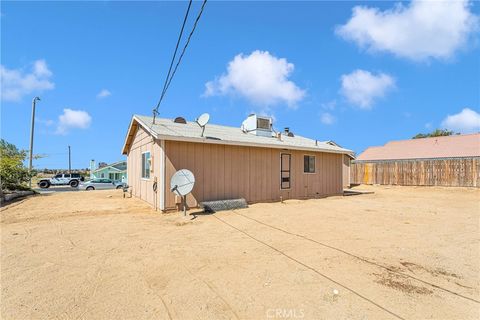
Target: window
{"x": 146, "y": 165}
{"x": 285, "y": 159}
{"x": 309, "y": 164}
{"x": 102, "y": 175}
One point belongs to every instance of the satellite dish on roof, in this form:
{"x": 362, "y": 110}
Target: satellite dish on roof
{"x": 182, "y": 183}
{"x": 202, "y": 121}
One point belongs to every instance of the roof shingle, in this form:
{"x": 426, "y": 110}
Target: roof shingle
{"x": 455, "y": 146}
{"x": 191, "y": 131}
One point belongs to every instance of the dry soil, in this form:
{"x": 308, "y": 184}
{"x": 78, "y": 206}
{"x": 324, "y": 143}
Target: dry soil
{"x": 400, "y": 253}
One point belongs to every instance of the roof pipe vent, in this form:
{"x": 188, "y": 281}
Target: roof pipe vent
{"x": 288, "y": 133}
{"x": 180, "y": 120}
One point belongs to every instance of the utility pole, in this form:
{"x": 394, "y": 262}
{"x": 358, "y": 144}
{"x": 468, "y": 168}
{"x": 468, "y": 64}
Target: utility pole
{"x": 34, "y": 102}
{"x": 69, "y": 161}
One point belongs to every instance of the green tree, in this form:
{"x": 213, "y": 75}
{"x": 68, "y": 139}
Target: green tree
{"x": 435, "y": 133}
{"x": 13, "y": 174}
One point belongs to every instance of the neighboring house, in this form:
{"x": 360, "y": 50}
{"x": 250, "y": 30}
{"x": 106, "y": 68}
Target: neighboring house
{"x": 436, "y": 161}
{"x": 116, "y": 171}
{"x": 251, "y": 162}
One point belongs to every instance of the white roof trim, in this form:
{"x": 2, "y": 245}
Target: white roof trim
{"x": 243, "y": 144}
{"x": 227, "y": 142}
{"x": 149, "y": 130}
{"x": 102, "y": 168}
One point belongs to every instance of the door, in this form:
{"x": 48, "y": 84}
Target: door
{"x": 285, "y": 167}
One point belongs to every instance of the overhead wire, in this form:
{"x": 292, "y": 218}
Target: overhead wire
{"x": 174, "y": 53}
{"x": 170, "y": 75}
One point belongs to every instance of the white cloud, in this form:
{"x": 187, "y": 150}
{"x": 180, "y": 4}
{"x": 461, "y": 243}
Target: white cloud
{"x": 16, "y": 83}
{"x": 418, "y": 31}
{"x": 260, "y": 77}
{"x": 73, "y": 119}
{"x": 40, "y": 69}
{"x": 331, "y": 105}
{"x": 466, "y": 121}
{"x": 362, "y": 88}
{"x": 103, "y": 94}
{"x": 327, "y": 118}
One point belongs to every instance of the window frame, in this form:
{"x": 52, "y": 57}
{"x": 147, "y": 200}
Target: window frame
{"x": 314, "y": 164}
{"x": 145, "y": 172}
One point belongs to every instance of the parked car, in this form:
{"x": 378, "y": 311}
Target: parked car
{"x": 61, "y": 179}
{"x": 101, "y": 184}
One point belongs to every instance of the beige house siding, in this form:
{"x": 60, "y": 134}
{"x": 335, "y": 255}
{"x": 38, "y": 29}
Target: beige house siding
{"x": 346, "y": 171}
{"x": 225, "y": 172}
{"x": 143, "y": 188}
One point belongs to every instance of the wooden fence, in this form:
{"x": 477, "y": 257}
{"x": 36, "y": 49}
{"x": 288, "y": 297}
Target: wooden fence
{"x": 452, "y": 172}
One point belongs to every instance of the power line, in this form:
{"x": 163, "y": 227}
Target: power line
{"x": 167, "y": 83}
{"x": 186, "y": 44}
{"x": 175, "y": 52}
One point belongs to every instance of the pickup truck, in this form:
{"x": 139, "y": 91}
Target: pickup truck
{"x": 62, "y": 179}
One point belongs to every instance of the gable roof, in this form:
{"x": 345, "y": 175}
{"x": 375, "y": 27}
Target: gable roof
{"x": 455, "y": 146}
{"x": 166, "y": 129}
{"x": 117, "y": 166}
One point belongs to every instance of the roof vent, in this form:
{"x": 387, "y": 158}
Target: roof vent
{"x": 287, "y": 132}
{"x": 258, "y": 125}
{"x": 180, "y": 120}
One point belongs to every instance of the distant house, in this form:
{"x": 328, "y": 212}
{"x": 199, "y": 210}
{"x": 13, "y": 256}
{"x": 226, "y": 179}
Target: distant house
{"x": 251, "y": 161}
{"x": 436, "y": 161}
{"x": 115, "y": 171}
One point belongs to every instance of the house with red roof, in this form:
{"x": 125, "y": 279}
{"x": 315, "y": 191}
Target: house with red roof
{"x": 443, "y": 161}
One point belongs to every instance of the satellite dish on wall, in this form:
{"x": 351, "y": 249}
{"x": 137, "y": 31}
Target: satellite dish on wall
{"x": 182, "y": 183}
{"x": 202, "y": 121}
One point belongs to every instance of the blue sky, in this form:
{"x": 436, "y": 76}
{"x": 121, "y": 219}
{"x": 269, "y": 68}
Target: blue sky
{"x": 360, "y": 78}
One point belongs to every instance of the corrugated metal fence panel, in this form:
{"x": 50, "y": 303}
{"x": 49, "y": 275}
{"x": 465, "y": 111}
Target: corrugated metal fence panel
{"x": 451, "y": 172}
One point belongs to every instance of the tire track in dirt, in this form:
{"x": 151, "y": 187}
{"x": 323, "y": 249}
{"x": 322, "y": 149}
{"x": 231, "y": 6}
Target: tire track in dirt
{"x": 210, "y": 286}
{"x": 389, "y": 269}
{"x": 392, "y": 313}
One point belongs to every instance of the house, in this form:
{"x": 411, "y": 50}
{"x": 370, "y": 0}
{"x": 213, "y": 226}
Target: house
{"x": 347, "y": 158}
{"x": 116, "y": 171}
{"x": 437, "y": 161}
{"x": 251, "y": 162}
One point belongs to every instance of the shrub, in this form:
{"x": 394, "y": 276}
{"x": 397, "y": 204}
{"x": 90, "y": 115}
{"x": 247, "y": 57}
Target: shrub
{"x": 13, "y": 174}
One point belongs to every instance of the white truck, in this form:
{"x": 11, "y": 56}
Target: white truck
{"x": 62, "y": 179}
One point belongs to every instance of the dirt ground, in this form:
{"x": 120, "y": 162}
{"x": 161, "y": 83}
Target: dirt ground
{"x": 400, "y": 253}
